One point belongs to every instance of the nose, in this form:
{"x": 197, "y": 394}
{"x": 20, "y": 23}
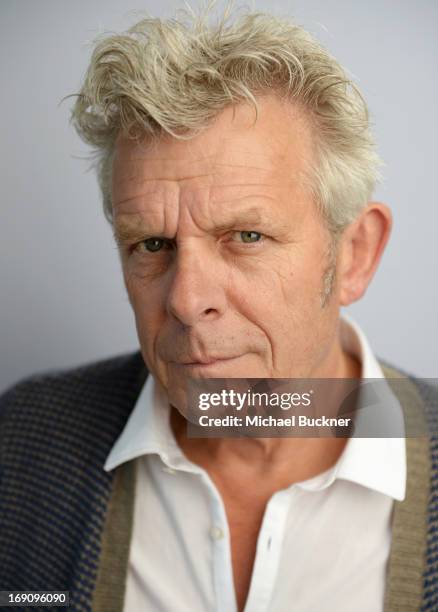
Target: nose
{"x": 196, "y": 292}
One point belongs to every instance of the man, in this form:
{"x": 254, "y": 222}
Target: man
{"x": 237, "y": 168}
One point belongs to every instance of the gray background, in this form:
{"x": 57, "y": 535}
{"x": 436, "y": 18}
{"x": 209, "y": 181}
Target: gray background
{"x": 62, "y": 297}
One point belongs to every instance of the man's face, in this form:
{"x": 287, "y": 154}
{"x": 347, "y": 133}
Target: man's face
{"x": 223, "y": 250}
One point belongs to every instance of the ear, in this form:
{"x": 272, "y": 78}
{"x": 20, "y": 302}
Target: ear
{"x": 362, "y": 245}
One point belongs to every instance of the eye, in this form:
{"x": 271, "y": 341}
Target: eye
{"x": 248, "y": 236}
{"x": 152, "y": 245}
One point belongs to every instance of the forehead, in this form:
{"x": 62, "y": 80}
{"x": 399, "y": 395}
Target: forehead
{"x": 235, "y": 159}
{"x": 278, "y": 141}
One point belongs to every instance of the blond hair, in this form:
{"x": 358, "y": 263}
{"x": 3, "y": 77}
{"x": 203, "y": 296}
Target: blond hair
{"x": 174, "y": 76}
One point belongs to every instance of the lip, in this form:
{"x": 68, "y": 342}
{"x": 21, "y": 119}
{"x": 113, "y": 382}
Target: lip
{"x": 206, "y": 363}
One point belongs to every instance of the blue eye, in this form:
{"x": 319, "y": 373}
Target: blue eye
{"x": 250, "y": 236}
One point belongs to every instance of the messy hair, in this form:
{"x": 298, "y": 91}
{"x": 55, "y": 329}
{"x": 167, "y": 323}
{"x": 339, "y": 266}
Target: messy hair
{"x": 174, "y": 76}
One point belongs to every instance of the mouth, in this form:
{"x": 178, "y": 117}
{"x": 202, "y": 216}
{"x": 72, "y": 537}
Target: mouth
{"x": 206, "y": 363}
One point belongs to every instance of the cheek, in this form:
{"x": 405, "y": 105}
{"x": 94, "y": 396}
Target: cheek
{"x": 286, "y": 297}
{"x": 146, "y": 303}
{"x": 285, "y": 284}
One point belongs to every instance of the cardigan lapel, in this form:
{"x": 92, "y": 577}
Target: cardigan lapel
{"x": 109, "y": 592}
{"x": 404, "y": 587}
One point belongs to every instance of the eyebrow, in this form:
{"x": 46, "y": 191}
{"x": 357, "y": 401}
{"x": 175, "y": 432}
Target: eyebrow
{"x": 132, "y": 231}
{"x": 129, "y": 232}
{"x": 252, "y": 216}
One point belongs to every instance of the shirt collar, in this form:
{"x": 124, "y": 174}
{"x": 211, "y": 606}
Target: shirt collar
{"x": 147, "y": 429}
{"x": 376, "y": 463}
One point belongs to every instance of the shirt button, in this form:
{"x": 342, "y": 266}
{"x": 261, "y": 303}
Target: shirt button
{"x": 168, "y": 470}
{"x": 216, "y": 533}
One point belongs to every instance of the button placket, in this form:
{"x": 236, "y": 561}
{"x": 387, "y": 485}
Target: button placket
{"x": 216, "y": 532}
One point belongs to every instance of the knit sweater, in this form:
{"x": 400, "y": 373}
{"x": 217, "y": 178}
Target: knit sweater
{"x": 66, "y": 524}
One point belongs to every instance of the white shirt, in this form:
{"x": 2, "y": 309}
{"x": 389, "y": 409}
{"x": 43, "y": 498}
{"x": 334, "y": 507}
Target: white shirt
{"x": 323, "y": 545}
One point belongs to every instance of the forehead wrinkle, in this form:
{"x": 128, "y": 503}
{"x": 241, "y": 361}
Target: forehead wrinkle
{"x": 139, "y": 196}
{"x": 207, "y": 164}
{"x": 213, "y": 218}
{"x": 252, "y": 196}
{"x": 212, "y": 176}
{"x": 159, "y": 179}
{"x": 147, "y": 209}
{"x": 161, "y": 194}
{"x": 223, "y": 192}
{"x": 165, "y": 189}
{"x": 244, "y": 166}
